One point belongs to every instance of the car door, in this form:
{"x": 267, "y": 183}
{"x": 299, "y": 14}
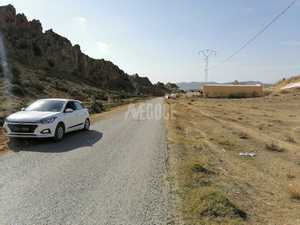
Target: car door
{"x": 78, "y": 116}
{"x": 81, "y": 112}
{"x": 70, "y": 117}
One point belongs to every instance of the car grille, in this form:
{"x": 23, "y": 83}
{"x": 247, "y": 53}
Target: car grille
{"x": 22, "y": 128}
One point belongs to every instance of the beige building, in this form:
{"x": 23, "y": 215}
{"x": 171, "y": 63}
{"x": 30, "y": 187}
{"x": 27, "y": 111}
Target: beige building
{"x": 232, "y": 91}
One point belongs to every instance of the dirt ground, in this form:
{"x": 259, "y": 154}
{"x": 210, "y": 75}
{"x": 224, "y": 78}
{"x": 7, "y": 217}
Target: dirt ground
{"x": 214, "y": 184}
{"x": 3, "y": 141}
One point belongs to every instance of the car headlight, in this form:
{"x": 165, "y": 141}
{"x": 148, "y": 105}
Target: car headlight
{"x": 48, "y": 120}
{"x": 6, "y": 121}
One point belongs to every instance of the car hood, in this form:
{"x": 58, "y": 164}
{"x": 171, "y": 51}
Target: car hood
{"x": 30, "y": 116}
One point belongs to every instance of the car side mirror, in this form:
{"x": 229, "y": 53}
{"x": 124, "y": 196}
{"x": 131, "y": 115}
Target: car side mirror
{"x": 69, "y": 110}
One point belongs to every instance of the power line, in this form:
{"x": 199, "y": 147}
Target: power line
{"x": 260, "y": 32}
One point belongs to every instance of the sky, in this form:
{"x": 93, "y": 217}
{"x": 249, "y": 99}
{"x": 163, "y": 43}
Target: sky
{"x": 161, "y": 39}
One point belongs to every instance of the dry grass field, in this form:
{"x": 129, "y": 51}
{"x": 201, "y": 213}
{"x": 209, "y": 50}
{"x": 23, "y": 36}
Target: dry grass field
{"x": 212, "y": 183}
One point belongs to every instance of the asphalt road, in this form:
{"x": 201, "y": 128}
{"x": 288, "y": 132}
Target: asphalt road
{"x": 111, "y": 175}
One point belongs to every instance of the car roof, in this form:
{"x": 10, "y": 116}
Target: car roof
{"x": 60, "y": 99}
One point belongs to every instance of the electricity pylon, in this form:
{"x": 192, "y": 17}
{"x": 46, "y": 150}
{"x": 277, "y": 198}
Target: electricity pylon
{"x": 206, "y": 54}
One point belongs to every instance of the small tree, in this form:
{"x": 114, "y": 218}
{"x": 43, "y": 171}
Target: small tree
{"x": 96, "y": 106}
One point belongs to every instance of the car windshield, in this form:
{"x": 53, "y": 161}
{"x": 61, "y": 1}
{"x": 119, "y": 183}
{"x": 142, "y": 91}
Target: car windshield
{"x": 46, "y": 106}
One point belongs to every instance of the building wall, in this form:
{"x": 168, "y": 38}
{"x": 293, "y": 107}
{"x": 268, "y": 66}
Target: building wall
{"x": 223, "y": 91}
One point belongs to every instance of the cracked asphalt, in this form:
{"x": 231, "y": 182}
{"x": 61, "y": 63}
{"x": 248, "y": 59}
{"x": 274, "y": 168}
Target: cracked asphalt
{"x": 111, "y": 175}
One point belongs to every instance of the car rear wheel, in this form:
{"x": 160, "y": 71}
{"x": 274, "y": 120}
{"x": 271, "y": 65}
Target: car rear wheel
{"x": 59, "y": 132}
{"x": 87, "y": 124}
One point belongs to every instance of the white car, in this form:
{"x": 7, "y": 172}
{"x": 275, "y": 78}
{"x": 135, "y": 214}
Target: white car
{"x": 48, "y": 118}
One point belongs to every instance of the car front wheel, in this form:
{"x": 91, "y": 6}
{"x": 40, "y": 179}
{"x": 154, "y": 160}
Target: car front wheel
{"x": 59, "y": 132}
{"x": 87, "y": 124}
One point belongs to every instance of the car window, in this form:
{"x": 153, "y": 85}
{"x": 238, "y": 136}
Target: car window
{"x": 78, "y": 105}
{"x": 71, "y": 105}
{"x": 46, "y": 106}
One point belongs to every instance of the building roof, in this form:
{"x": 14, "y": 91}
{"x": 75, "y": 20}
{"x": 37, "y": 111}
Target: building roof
{"x": 233, "y": 85}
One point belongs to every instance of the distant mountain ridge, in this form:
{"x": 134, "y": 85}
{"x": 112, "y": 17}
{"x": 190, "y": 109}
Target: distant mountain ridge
{"x": 187, "y": 86}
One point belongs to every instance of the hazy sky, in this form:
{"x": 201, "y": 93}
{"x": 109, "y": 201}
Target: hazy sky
{"x": 161, "y": 38}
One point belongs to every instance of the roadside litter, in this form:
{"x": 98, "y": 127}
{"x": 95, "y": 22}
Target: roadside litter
{"x": 248, "y": 154}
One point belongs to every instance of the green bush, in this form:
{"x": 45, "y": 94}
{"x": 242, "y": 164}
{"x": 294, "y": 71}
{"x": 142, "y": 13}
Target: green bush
{"x": 60, "y": 86}
{"x": 17, "y": 90}
{"x": 216, "y": 205}
{"x": 22, "y": 45}
{"x": 2, "y": 121}
{"x": 1, "y": 71}
{"x": 51, "y": 63}
{"x": 77, "y": 93}
{"x": 15, "y": 75}
{"x": 37, "y": 50}
{"x": 96, "y": 106}
{"x": 38, "y": 86}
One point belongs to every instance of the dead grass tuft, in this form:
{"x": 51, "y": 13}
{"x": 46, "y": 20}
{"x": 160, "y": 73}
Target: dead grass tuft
{"x": 243, "y": 135}
{"x": 291, "y": 175}
{"x": 290, "y": 139}
{"x": 274, "y": 147}
{"x": 213, "y": 204}
{"x": 226, "y": 142}
{"x": 197, "y": 168}
{"x": 294, "y": 190}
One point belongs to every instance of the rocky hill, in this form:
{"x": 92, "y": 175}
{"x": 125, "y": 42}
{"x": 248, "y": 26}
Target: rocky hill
{"x": 45, "y": 64}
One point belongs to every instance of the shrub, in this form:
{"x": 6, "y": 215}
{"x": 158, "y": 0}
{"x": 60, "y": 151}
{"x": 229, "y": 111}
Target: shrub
{"x": 37, "y": 50}
{"x": 2, "y": 121}
{"x": 197, "y": 168}
{"x": 17, "y": 90}
{"x": 77, "y": 93}
{"x": 290, "y": 139}
{"x": 15, "y": 75}
{"x": 96, "y": 106}
{"x": 37, "y": 86}
{"x": 1, "y": 71}
{"x": 60, "y": 86}
{"x": 215, "y": 205}
{"x": 51, "y": 63}
{"x": 22, "y": 45}
{"x": 15, "y": 71}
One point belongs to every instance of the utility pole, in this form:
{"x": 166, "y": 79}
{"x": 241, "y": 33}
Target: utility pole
{"x": 206, "y": 54}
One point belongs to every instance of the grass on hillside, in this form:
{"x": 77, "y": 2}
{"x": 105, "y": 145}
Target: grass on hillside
{"x": 282, "y": 83}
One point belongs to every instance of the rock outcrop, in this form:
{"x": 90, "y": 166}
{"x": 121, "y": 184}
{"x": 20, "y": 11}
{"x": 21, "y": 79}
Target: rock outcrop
{"x": 49, "y": 55}
{"x": 142, "y": 85}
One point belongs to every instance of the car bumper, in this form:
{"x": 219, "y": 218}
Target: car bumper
{"x": 41, "y": 131}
